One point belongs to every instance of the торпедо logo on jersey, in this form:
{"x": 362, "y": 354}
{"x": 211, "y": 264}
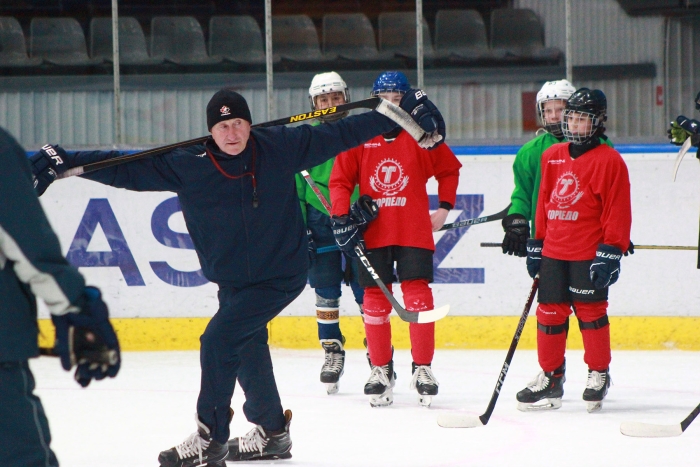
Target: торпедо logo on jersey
{"x": 388, "y": 178}
{"x": 567, "y": 191}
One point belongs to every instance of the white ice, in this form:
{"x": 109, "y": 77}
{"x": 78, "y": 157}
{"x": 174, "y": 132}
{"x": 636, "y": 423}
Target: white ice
{"x": 150, "y": 407}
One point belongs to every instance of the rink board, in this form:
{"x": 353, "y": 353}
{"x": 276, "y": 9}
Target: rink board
{"x": 135, "y": 247}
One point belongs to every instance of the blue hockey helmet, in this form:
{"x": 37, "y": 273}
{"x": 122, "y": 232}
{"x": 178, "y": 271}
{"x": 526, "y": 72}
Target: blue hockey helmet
{"x": 390, "y": 81}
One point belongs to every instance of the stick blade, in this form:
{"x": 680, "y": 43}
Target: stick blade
{"x": 681, "y": 154}
{"x": 451, "y": 420}
{"x": 433, "y": 315}
{"x": 650, "y": 430}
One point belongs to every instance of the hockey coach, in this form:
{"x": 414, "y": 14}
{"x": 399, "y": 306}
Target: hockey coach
{"x": 238, "y": 197}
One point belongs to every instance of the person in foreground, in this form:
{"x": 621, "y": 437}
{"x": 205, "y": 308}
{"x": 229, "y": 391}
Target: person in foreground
{"x": 239, "y": 200}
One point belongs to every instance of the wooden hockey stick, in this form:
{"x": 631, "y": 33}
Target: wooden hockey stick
{"x": 651, "y": 430}
{"x": 382, "y": 106}
{"x": 636, "y": 247}
{"x": 470, "y": 421}
{"x": 427, "y": 316}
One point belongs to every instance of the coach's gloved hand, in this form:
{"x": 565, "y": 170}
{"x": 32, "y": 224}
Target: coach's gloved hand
{"x": 517, "y": 231}
{"x": 363, "y": 211}
{"x": 428, "y": 117}
{"x": 311, "y": 246}
{"x": 534, "y": 256}
{"x": 605, "y": 269}
{"x": 87, "y": 339}
{"x": 346, "y": 234}
{"x": 47, "y": 164}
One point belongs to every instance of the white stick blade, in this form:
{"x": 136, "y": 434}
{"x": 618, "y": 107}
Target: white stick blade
{"x": 649, "y": 430}
{"x": 681, "y": 154}
{"x": 433, "y": 315}
{"x": 450, "y": 420}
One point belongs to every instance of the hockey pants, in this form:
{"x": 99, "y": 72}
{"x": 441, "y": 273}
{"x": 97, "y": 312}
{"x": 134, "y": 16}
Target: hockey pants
{"x": 417, "y": 297}
{"x": 234, "y": 346}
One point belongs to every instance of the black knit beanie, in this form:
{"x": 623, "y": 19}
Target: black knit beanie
{"x": 225, "y": 105}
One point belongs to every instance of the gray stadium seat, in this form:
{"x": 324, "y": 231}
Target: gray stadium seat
{"x": 461, "y": 34}
{"x": 397, "y": 34}
{"x": 350, "y": 36}
{"x": 132, "y": 42}
{"x": 237, "y": 39}
{"x": 520, "y": 33}
{"x": 179, "y": 39}
{"x": 13, "y": 48}
{"x": 295, "y": 38}
{"x": 60, "y": 41}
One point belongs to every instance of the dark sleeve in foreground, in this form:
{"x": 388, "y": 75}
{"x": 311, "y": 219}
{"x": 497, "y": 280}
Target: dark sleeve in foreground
{"x": 26, "y": 237}
{"x": 313, "y": 145}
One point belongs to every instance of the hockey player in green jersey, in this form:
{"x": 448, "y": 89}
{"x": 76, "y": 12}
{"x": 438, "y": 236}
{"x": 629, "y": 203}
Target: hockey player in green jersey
{"x": 520, "y": 221}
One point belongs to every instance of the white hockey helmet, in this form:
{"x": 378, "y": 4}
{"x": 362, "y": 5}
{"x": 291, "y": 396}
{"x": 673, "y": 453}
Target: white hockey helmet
{"x": 324, "y": 83}
{"x": 551, "y": 90}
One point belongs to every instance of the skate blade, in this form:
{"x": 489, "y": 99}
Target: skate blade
{"x": 332, "y": 388}
{"x": 425, "y": 400}
{"x": 381, "y": 400}
{"x": 544, "y": 404}
{"x": 594, "y": 406}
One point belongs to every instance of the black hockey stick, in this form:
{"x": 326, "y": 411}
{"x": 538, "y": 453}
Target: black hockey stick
{"x": 650, "y": 430}
{"x": 477, "y": 220}
{"x": 471, "y": 421}
{"x": 380, "y": 105}
{"x": 428, "y": 316}
{"x": 636, "y": 247}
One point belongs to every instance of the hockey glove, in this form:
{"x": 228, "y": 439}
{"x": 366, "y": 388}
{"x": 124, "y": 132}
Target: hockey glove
{"x": 605, "y": 269}
{"x": 534, "y": 256}
{"x": 47, "y": 164}
{"x": 630, "y": 249}
{"x": 363, "y": 211}
{"x": 426, "y": 115}
{"x": 517, "y": 233}
{"x": 311, "y": 246}
{"x": 87, "y": 339}
{"x": 346, "y": 234}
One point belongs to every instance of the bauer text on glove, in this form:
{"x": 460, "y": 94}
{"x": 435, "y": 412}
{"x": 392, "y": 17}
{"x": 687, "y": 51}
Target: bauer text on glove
{"x": 605, "y": 268}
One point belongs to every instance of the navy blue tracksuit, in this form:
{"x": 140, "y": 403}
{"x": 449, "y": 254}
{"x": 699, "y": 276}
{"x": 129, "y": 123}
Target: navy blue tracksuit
{"x": 257, "y": 255}
{"x": 31, "y": 264}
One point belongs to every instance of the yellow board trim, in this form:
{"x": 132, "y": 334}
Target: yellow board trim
{"x": 452, "y": 332}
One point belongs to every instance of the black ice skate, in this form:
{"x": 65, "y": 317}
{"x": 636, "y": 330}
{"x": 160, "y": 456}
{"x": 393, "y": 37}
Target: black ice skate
{"x": 380, "y": 385}
{"x": 596, "y": 389}
{"x": 425, "y": 383}
{"x": 258, "y": 445}
{"x": 544, "y": 392}
{"x": 333, "y": 365}
{"x": 197, "y": 449}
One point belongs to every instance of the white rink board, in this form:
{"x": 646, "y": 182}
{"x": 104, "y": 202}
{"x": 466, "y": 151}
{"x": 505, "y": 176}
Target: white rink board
{"x": 652, "y": 283}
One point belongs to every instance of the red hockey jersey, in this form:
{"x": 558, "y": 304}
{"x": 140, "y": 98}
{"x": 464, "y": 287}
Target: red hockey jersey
{"x": 394, "y": 175}
{"x": 583, "y": 202}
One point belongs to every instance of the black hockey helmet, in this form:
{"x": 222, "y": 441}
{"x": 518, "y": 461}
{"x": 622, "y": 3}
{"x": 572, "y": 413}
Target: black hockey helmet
{"x": 583, "y": 105}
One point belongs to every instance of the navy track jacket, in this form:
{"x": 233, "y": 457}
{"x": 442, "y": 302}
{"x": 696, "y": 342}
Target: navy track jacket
{"x": 31, "y": 262}
{"x": 239, "y": 244}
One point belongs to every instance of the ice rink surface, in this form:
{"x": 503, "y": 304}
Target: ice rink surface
{"x": 149, "y": 407}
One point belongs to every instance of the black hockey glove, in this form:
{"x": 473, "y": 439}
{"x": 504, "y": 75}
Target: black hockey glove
{"x": 346, "y": 234}
{"x": 534, "y": 256}
{"x": 517, "y": 231}
{"x": 47, "y": 164}
{"x": 605, "y": 269}
{"x": 311, "y": 246}
{"x": 630, "y": 249}
{"x": 87, "y": 339}
{"x": 363, "y": 211}
{"x": 683, "y": 128}
{"x": 426, "y": 115}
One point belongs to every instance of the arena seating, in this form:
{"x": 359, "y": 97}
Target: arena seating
{"x": 132, "y": 42}
{"x": 59, "y": 41}
{"x": 13, "y": 47}
{"x": 237, "y": 39}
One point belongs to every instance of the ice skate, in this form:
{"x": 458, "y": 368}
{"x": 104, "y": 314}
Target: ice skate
{"x": 198, "y": 449}
{"x": 258, "y": 445}
{"x": 544, "y": 392}
{"x": 596, "y": 389}
{"x": 333, "y": 365}
{"x": 425, "y": 383}
{"x": 380, "y": 385}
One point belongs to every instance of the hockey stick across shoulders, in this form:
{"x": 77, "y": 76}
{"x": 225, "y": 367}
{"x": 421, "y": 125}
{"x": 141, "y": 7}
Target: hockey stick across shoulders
{"x": 456, "y": 420}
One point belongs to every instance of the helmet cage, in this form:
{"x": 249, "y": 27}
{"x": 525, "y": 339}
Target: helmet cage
{"x": 553, "y": 128}
{"x": 577, "y": 116}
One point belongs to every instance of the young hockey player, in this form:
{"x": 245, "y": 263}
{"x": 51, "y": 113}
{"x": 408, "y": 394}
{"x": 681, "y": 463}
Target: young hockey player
{"x": 240, "y": 205}
{"x": 393, "y": 170}
{"x": 326, "y": 274}
{"x": 583, "y": 226}
{"x": 31, "y": 266}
